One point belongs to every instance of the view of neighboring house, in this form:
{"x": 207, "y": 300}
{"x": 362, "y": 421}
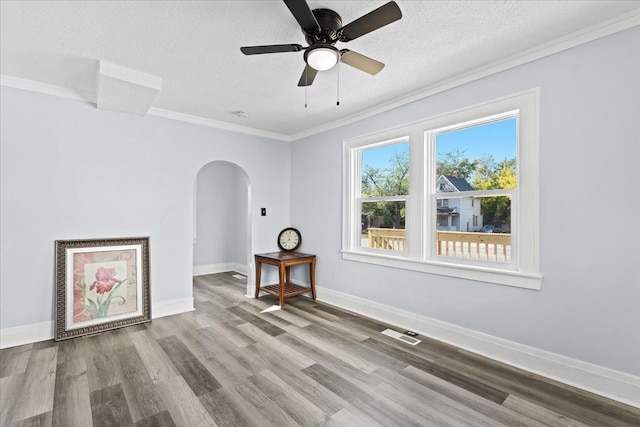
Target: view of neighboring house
{"x": 458, "y": 213}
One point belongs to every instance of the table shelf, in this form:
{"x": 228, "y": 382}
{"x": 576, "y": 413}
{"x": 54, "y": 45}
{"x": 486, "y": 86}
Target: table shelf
{"x": 290, "y": 290}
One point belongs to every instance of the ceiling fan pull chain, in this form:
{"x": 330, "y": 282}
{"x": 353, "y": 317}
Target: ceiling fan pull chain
{"x": 305, "y": 88}
{"x": 338, "y": 96}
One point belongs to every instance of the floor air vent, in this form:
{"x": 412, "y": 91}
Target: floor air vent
{"x": 402, "y": 337}
{"x": 239, "y": 276}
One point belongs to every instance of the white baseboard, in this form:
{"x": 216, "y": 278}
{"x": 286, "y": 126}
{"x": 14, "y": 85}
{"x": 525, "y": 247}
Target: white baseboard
{"x": 201, "y": 270}
{"x": 171, "y": 307}
{"x": 603, "y": 381}
{"x": 27, "y": 334}
{"x": 240, "y": 268}
{"x": 43, "y": 331}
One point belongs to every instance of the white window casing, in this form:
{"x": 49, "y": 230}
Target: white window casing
{"x": 420, "y": 227}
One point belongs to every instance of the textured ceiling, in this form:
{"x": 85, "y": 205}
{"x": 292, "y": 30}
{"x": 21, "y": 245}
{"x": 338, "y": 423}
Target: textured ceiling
{"x": 194, "y": 47}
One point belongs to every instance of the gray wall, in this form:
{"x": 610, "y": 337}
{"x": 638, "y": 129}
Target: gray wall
{"x": 589, "y": 305}
{"x": 222, "y": 215}
{"x": 70, "y": 171}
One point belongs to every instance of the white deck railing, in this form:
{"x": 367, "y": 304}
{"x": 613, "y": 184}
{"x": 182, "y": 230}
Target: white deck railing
{"x": 470, "y": 245}
{"x": 387, "y": 238}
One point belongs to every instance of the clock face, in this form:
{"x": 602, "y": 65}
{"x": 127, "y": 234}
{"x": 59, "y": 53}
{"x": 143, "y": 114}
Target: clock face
{"x": 289, "y": 239}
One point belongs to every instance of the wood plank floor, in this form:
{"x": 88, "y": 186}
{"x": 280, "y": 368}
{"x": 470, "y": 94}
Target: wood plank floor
{"x": 228, "y": 364}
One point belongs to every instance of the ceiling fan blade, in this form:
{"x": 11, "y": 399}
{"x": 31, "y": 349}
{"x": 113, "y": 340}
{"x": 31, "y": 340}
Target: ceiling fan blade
{"x": 273, "y": 48}
{"x": 307, "y": 77}
{"x": 373, "y": 20}
{"x": 361, "y": 62}
{"x": 300, "y": 10}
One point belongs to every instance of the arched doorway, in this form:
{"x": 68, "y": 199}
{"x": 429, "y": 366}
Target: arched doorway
{"x": 222, "y": 220}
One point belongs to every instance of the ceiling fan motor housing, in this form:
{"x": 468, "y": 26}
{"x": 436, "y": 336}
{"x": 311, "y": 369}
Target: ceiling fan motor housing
{"x": 330, "y": 22}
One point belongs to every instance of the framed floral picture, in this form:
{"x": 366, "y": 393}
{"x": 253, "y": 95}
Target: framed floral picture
{"x": 101, "y": 285}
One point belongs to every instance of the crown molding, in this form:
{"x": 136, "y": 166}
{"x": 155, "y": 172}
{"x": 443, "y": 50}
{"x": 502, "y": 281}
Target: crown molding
{"x": 90, "y": 97}
{"x": 168, "y": 114}
{"x": 577, "y": 38}
{"x": 611, "y": 26}
{"x": 48, "y": 89}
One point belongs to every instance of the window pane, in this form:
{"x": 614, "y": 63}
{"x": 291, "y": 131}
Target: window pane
{"x": 385, "y": 170}
{"x": 474, "y": 228}
{"x": 481, "y": 157}
{"x": 383, "y": 225}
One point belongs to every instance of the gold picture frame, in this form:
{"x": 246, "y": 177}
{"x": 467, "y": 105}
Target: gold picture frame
{"x": 101, "y": 284}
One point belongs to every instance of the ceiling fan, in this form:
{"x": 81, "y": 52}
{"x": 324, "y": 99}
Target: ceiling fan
{"x": 323, "y": 29}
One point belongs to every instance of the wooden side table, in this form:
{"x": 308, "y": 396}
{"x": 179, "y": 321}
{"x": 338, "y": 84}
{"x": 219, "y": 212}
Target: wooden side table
{"x": 284, "y": 261}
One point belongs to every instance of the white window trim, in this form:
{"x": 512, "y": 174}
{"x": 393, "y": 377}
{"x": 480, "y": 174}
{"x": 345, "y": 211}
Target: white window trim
{"x": 418, "y": 255}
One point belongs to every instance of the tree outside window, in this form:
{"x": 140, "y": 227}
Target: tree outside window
{"x": 383, "y": 196}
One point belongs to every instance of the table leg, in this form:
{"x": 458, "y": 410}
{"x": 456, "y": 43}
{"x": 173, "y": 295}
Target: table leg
{"x": 281, "y": 276}
{"x": 258, "y": 274}
{"x": 287, "y": 274}
{"x": 312, "y": 277}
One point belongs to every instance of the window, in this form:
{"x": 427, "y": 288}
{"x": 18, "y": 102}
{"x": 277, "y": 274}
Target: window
{"x": 454, "y": 195}
{"x": 474, "y": 161}
{"x": 383, "y": 195}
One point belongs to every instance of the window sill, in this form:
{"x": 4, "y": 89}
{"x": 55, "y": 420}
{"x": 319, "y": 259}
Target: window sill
{"x": 479, "y": 274}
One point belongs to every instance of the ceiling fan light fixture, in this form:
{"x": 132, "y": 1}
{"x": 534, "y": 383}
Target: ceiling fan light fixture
{"x": 322, "y": 58}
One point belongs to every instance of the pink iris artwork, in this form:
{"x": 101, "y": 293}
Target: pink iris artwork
{"x": 105, "y": 285}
